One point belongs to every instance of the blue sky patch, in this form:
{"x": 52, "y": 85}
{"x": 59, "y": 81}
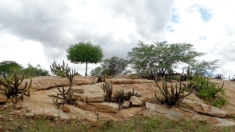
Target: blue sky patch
{"x": 205, "y": 14}
{"x": 175, "y": 18}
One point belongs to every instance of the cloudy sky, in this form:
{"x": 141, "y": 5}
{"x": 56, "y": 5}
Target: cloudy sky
{"x": 39, "y": 32}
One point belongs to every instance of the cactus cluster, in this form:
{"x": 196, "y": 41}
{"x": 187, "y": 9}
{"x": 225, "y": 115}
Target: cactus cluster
{"x": 173, "y": 96}
{"x": 108, "y": 89}
{"x": 120, "y": 96}
{"x": 12, "y": 89}
{"x": 60, "y": 70}
{"x": 66, "y": 95}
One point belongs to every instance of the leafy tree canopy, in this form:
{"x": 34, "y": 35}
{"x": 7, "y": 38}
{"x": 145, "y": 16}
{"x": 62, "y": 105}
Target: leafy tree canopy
{"x": 115, "y": 66}
{"x": 112, "y": 66}
{"x": 84, "y": 52}
{"x": 10, "y": 66}
{"x": 35, "y": 71}
{"x": 97, "y": 71}
{"x": 161, "y": 56}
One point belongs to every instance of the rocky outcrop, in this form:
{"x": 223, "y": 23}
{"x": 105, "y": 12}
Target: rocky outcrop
{"x": 206, "y": 109}
{"x": 129, "y": 81}
{"x": 47, "y": 82}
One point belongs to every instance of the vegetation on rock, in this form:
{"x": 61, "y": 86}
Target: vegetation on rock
{"x": 66, "y": 96}
{"x": 12, "y": 89}
{"x": 60, "y": 70}
{"x": 173, "y": 96}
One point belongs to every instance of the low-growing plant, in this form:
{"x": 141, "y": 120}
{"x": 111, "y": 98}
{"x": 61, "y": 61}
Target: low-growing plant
{"x": 60, "y": 70}
{"x": 205, "y": 88}
{"x": 12, "y": 89}
{"x": 70, "y": 76}
{"x": 66, "y": 96}
{"x": 173, "y": 96}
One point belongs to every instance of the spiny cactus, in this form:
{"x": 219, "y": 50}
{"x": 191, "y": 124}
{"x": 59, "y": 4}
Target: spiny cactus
{"x": 67, "y": 96}
{"x": 129, "y": 94}
{"x": 108, "y": 89}
{"x": 59, "y": 70}
{"x": 119, "y": 96}
{"x": 172, "y": 97}
{"x": 12, "y": 90}
{"x": 188, "y": 76}
{"x": 70, "y": 76}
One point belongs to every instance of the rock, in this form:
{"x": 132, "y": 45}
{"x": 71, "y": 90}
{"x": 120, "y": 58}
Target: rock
{"x": 47, "y": 82}
{"x": 101, "y": 107}
{"x": 18, "y": 107}
{"x": 135, "y": 101}
{"x": 20, "y": 113}
{"x": 90, "y": 97}
{"x": 126, "y": 104}
{"x": 206, "y": 109}
{"x": 129, "y": 81}
{"x": 3, "y": 98}
{"x": 84, "y": 80}
{"x": 65, "y": 109}
{"x": 29, "y": 114}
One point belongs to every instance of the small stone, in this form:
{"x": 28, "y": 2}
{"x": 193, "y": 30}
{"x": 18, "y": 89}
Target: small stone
{"x": 65, "y": 109}
{"x": 18, "y": 107}
{"x": 1, "y": 128}
{"x": 126, "y": 104}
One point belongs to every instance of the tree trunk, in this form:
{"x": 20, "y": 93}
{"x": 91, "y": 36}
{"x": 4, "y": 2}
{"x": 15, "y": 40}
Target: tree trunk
{"x": 86, "y": 69}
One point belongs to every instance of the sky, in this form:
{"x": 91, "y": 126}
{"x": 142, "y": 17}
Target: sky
{"x": 39, "y": 32}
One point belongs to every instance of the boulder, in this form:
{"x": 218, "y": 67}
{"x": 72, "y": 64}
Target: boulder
{"x": 47, "y": 82}
{"x": 135, "y": 101}
{"x": 90, "y": 97}
{"x": 205, "y": 109}
{"x": 126, "y": 104}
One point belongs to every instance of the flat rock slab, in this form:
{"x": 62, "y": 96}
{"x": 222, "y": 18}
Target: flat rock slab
{"x": 47, "y": 82}
{"x": 129, "y": 81}
{"x": 178, "y": 113}
{"x": 206, "y": 109}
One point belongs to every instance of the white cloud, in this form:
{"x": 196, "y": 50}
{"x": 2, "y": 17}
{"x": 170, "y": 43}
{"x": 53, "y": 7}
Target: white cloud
{"x": 40, "y": 31}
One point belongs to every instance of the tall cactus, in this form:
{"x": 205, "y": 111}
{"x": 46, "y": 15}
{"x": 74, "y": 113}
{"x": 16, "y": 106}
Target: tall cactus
{"x": 66, "y": 95}
{"x": 12, "y": 90}
{"x": 108, "y": 89}
{"x": 172, "y": 97}
{"x": 60, "y": 70}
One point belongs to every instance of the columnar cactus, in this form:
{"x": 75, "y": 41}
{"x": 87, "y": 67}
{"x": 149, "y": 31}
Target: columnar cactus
{"x": 108, "y": 89}
{"x": 12, "y": 89}
{"x": 173, "y": 96}
{"x": 67, "y": 96}
{"x": 60, "y": 70}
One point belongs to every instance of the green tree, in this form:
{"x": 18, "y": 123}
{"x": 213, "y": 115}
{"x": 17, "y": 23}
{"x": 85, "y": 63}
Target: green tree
{"x": 84, "y": 52}
{"x": 96, "y": 71}
{"x": 161, "y": 57}
{"x": 115, "y": 66}
{"x": 10, "y": 66}
{"x": 35, "y": 71}
{"x": 204, "y": 67}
